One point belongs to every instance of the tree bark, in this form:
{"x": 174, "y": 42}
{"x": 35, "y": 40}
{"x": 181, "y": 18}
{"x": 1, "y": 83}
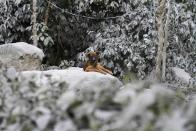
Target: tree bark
{"x": 162, "y": 25}
{"x": 166, "y": 43}
{"x": 47, "y": 14}
{"x": 159, "y": 20}
{"x": 34, "y": 22}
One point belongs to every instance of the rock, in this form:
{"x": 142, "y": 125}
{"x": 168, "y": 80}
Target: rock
{"x": 75, "y": 77}
{"x": 181, "y": 75}
{"x": 11, "y": 73}
{"x": 21, "y": 56}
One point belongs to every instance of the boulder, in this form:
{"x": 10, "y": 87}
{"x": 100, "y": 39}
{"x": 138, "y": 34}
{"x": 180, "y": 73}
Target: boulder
{"x": 21, "y": 56}
{"x": 75, "y": 77}
{"x": 181, "y": 75}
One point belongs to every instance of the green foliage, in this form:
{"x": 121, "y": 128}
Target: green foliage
{"x": 180, "y": 94}
{"x": 129, "y": 77}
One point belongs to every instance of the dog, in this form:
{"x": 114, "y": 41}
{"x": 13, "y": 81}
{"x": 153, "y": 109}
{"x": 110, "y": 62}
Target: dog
{"x": 93, "y": 65}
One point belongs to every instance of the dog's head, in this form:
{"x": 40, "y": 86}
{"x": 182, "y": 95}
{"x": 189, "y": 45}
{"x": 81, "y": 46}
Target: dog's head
{"x": 93, "y": 57}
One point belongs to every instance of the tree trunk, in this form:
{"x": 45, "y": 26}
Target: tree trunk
{"x": 47, "y": 13}
{"x": 163, "y": 19}
{"x": 34, "y": 22}
{"x": 166, "y": 43}
{"x": 159, "y": 20}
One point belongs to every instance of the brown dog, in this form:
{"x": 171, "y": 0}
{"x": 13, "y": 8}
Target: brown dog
{"x": 92, "y": 65}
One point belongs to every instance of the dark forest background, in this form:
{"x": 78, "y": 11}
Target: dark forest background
{"x": 124, "y": 31}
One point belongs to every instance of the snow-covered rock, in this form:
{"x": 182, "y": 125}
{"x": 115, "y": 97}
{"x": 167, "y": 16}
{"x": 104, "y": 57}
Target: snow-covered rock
{"x": 181, "y": 75}
{"x": 21, "y": 56}
{"x": 75, "y": 77}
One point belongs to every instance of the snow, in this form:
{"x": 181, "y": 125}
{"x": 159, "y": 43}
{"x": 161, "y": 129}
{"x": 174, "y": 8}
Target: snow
{"x": 11, "y": 73}
{"x": 181, "y": 74}
{"x": 75, "y": 77}
{"x": 139, "y": 105}
{"x": 20, "y": 49}
{"x": 69, "y": 97}
{"x": 173, "y": 122}
{"x": 66, "y": 125}
{"x": 125, "y": 95}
